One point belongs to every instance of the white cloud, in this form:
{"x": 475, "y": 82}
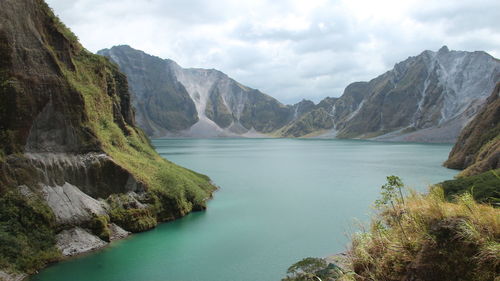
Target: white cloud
{"x": 290, "y": 49}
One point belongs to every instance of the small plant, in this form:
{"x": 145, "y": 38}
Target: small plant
{"x": 392, "y": 193}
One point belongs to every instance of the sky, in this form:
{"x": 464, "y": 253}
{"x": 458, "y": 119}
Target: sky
{"x": 289, "y": 49}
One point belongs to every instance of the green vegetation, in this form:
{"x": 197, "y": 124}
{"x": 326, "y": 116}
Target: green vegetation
{"x": 419, "y": 237}
{"x": 127, "y": 212}
{"x": 93, "y": 98}
{"x": 95, "y": 77}
{"x": 99, "y": 226}
{"x": 313, "y": 269}
{"x": 428, "y": 238}
{"x": 485, "y": 187}
{"x": 26, "y": 233}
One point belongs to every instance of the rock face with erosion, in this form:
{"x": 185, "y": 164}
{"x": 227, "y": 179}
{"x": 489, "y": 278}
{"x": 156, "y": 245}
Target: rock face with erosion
{"x": 478, "y": 148}
{"x": 76, "y": 172}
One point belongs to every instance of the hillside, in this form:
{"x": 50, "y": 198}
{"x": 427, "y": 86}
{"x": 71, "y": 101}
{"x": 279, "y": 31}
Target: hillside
{"x": 76, "y": 172}
{"x": 478, "y": 147}
{"x": 477, "y": 153}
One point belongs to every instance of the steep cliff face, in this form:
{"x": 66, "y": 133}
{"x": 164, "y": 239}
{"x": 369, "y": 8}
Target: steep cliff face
{"x": 162, "y": 103}
{"x": 70, "y": 154}
{"x": 426, "y": 98}
{"x": 214, "y": 104}
{"x": 478, "y": 148}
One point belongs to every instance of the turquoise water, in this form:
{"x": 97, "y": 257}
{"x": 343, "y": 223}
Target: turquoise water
{"x": 280, "y": 200}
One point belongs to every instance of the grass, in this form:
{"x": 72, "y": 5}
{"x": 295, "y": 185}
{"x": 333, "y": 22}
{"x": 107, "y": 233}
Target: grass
{"x": 26, "y": 233}
{"x": 438, "y": 240}
{"x": 417, "y": 237}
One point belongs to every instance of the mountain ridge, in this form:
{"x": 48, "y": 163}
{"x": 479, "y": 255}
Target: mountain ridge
{"x": 429, "y": 98}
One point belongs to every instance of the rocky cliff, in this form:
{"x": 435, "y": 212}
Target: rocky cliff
{"x": 427, "y": 98}
{"x": 193, "y": 102}
{"x": 477, "y": 150}
{"x": 74, "y": 167}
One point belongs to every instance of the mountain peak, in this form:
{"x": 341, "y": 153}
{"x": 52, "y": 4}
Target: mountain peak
{"x": 444, "y": 49}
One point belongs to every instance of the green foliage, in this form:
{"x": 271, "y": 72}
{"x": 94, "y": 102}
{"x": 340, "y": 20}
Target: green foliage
{"x": 391, "y": 192}
{"x": 307, "y": 269}
{"x": 130, "y": 214}
{"x": 134, "y": 220}
{"x": 59, "y": 25}
{"x": 99, "y": 226}
{"x": 484, "y": 187}
{"x": 26, "y": 233}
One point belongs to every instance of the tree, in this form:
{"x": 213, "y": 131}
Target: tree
{"x": 390, "y": 192}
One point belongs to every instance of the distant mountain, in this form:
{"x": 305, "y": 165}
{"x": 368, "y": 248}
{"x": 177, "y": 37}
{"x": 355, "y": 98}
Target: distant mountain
{"x": 427, "y": 98}
{"x": 175, "y": 101}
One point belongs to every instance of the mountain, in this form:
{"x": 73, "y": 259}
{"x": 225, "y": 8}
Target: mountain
{"x": 76, "y": 172}
{"x": 427, "y": 98}
{"x": 194, "y": 102}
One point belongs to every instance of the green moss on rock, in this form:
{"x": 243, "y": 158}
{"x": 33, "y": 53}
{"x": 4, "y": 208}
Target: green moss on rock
{"x": 27, "y": 235}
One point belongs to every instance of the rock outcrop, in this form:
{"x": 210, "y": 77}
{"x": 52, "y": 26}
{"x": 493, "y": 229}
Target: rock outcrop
{"x": 75, "y": 169}
{"x": 194, "y": 102}
{"x": 76, "y": 241}
{"x": 477, "y": 150}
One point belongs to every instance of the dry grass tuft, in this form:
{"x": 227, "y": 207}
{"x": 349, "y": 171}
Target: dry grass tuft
{"x": 428, "y": 238}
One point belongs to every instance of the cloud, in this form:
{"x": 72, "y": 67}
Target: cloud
{"x": 290, "y": 49}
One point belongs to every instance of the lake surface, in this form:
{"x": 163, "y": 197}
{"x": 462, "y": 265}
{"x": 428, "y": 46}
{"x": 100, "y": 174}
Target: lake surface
{"x": 280, "y": 200}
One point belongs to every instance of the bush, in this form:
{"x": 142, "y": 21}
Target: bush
{"x": 485, "y": 187}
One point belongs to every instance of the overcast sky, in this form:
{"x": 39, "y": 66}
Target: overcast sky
{"x": 289, "y": 49}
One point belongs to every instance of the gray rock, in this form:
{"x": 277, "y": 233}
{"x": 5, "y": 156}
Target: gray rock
{"x": 4, "y": 276}
{"x": 70, "y": 205}
{"x": 117, "y": 232}
{"x": 76, "y": 241}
